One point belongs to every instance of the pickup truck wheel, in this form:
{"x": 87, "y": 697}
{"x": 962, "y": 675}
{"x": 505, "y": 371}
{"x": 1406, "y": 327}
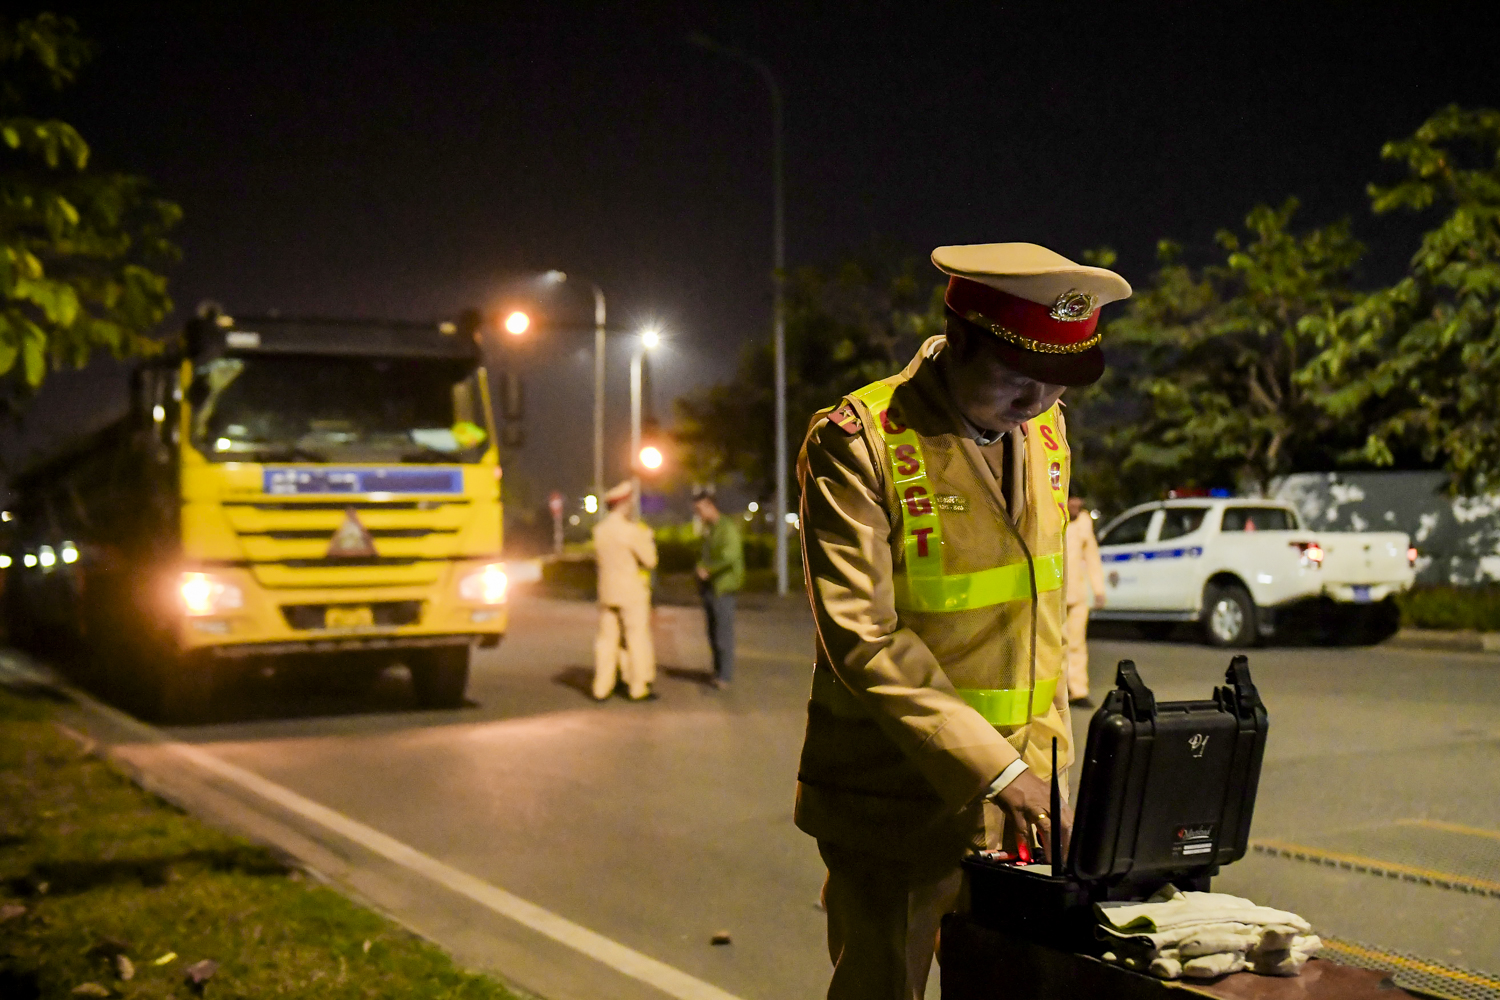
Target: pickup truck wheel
{"x": 1229, "y": 616}
{"x": 439, "y": 676}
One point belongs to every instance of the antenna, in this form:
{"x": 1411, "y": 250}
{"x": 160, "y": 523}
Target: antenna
{"x": 1054, "y": 849}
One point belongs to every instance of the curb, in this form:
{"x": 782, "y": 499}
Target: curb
{"x": 1453, "y": 641}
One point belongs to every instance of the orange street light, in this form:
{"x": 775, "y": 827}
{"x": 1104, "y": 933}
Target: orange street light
{"x": 517, "y": 323}
{"x": 651, "y": 457}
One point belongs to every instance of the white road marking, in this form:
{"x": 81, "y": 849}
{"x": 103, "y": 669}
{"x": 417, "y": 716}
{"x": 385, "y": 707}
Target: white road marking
{"x": 671, "y": 981}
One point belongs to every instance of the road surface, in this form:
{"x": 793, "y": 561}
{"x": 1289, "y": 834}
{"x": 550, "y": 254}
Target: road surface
{"x": 657, "y": 825}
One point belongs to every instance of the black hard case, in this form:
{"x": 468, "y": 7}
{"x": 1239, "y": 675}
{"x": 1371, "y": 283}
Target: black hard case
{"x": 1167, "y": 794}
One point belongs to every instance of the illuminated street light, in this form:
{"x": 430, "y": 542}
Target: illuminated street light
{"x": 517, "y": 323}
{"x": 649, "y": 339}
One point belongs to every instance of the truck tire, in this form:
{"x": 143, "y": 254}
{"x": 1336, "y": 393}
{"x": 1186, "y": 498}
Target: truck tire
{"x": 439, "y": 676}
{"x": 1229, "y": 615}
{"x": 185, "y": 688}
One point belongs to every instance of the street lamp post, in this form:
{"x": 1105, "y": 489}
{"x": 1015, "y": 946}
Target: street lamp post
{"x": 778, "y": 308}
{"x": 560, "y": 276}
{"x": 648, "y": 339}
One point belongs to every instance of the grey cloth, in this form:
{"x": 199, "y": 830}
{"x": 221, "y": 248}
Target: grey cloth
{"x": 719, "y": 610}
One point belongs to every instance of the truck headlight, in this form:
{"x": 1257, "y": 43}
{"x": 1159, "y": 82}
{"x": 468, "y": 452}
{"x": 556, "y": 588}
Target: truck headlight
{"x": 484, "y": 586}
{"x": 208, "y": 595}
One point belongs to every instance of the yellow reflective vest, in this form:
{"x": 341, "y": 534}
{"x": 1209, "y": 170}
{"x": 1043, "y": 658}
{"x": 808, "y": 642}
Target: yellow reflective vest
{"x": 939, "y": 615}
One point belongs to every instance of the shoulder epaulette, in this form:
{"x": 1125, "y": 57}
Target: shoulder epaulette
{"x": 846, "y": 419}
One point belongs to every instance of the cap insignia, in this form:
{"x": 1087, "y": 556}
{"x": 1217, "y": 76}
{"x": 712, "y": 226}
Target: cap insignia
{"x": 1074, "y": 306}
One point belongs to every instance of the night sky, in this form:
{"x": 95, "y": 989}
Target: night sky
{"x": 409, "y": 160}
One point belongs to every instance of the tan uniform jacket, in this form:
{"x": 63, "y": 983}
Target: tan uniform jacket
{"x": 895, "y": 762}
{"x": 623, "y": 549}
{"x": 1085, "y": 571}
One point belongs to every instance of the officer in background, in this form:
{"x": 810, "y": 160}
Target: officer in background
{"x": 626, "y": 554}
{"x": 721, "y": 574}
{"x": 1085, "y": 582}
{"x": 934, "y": 504}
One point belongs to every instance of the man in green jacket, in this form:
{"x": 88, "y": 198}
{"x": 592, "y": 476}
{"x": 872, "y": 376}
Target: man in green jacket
{"x": 721, "y": 572}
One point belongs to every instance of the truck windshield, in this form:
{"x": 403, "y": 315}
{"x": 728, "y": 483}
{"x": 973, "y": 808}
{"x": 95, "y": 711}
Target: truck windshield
{"x": 337, "y": 409}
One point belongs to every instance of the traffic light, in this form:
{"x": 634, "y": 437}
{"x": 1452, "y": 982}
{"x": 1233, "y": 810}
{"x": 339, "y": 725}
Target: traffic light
{"x": 651, "y": 458}
{"x": 517, "y": 323}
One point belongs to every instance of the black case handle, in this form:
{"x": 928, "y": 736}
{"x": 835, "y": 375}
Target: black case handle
{"x": 1246, "y": 697}
{"x": 1142, "y": 701}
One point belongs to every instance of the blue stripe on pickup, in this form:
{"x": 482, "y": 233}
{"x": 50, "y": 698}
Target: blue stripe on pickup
{"x": 330, "y": 479}
{"x": 1190, "y": 553}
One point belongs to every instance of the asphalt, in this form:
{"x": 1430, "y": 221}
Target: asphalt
{"x": 660, "y": 824}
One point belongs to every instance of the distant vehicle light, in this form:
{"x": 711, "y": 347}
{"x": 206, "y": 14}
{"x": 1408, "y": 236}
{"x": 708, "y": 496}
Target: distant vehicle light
{"x": 591, "y": 504}
{"x": 753, "y": 507}
{"x": 651, "y": 457}
{"x": 28, "y": 560}
{"x": 6, "y": 515}
{"x": 487, "y": 586}
{"x": 158, "y": 413}
{"x": 1411, "y": 557}
{"x": 4, "y": 561}
{"x": 222, "y": 444}
{"x": 69, "y": 552}
{"x": 517, "y": 323}
{"x": 207, "y": 595}
{"x": 46, "y": 556}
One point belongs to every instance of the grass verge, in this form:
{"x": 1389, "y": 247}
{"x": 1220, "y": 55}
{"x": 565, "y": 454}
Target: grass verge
{"x": 1449, "y": 607}
{"x": 92, "y": 867}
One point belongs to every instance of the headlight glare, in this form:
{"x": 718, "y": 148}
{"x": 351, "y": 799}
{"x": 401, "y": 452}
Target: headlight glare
{"x": 207, "y": 595}
{"x": 484, "y": 586}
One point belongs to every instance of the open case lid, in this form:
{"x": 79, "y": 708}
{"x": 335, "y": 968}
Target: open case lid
{"x": 1168, "y": 788}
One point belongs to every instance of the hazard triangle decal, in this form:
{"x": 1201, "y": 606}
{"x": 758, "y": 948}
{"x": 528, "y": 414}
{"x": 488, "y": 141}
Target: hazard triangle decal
{"x": 351, "y": 541}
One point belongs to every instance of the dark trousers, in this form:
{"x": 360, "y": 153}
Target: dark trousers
{"x": 719, "y": 610}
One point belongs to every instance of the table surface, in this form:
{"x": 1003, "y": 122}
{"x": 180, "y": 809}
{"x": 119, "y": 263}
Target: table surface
{"x": 978, "y": 962}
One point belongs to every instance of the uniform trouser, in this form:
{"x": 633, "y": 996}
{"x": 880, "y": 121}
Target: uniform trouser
{"x": 1076, "y": 634}
{"x": 883, "y": 919}
{"x": 718, "y": 610}
{"x": 636, "y": 663}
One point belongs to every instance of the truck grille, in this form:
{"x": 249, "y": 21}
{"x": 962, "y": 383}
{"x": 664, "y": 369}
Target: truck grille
{"x": 286, "y": 542}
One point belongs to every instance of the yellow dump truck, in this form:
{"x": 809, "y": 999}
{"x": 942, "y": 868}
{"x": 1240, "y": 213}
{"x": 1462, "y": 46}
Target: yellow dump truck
{"x": 304, "y": 495}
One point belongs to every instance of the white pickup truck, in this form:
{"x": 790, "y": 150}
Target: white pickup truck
{"x": 1237, "y": 565}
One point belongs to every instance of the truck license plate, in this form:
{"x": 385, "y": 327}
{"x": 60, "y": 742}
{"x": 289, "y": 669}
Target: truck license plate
{"x": 1361, "y": 595}
{"x": 356, "y": 616}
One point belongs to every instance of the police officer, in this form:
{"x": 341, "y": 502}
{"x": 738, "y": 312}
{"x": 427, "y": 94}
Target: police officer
{"x": 934, "y": 506}
{"x": 625, "y": 554}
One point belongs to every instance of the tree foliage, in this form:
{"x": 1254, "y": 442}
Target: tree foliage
{"x": 1418, "y": 364}
{"x": 846, "y": 326}
{"x": 77, "y": 247}
{"x": 1213, "y": 378}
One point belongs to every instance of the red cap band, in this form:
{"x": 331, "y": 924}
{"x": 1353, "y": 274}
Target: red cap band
{"x": 1026, "y": 324}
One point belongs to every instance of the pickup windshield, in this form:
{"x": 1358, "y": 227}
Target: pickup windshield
{"x": 337, "y": 409}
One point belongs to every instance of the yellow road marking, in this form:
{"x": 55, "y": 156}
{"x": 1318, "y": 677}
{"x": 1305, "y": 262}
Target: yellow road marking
{"x": 1437, "y": 824}
{"x": 1414, "y": 964}
{"x": 1377, "y": 864}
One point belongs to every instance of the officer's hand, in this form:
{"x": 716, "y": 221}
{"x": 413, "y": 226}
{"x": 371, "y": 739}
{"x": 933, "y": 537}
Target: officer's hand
{"x": 1026, "y": 802}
